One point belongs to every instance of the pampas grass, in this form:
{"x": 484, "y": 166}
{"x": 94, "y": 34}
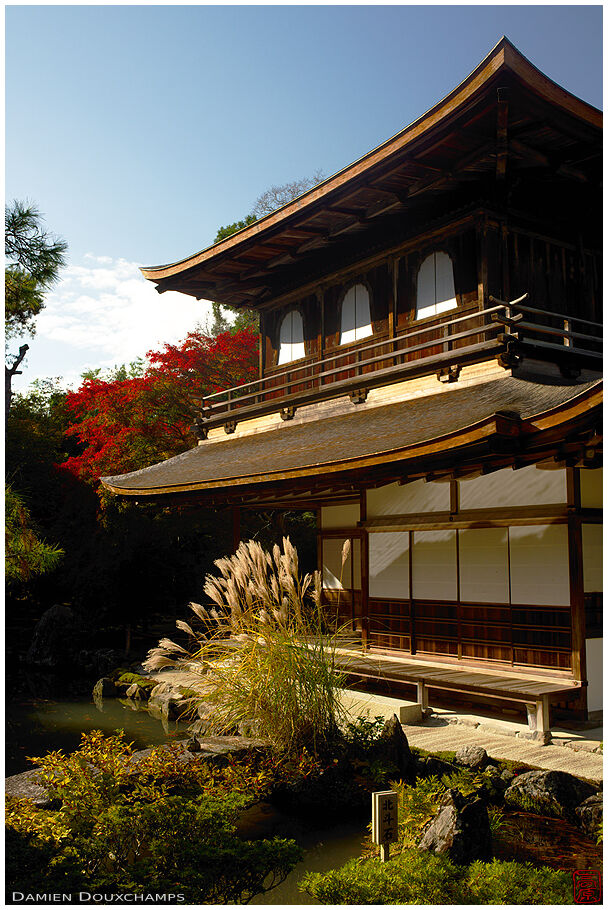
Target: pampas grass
{"x": 263, "y": 657}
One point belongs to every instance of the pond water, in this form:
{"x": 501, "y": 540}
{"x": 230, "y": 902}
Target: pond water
{"x": 545, "y": 841}
{"x": 36, "y": 725}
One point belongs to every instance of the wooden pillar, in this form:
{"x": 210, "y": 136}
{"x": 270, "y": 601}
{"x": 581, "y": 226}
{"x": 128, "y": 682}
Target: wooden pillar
{"x": 392, "y": 298}
{"x": 577, "y": 604}
{"x": 236, "y": 528}
{"x": 262, "y": 352}
{"x": 364, "y": 572}
{"x": 482, "y": 263}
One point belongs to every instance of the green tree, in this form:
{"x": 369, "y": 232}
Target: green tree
{"x": 269, "y": 201}
{"x": 26, "y": 554}
{"x": 34, "y": 258}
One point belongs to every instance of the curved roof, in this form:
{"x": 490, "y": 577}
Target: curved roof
{"x": 269, "y": 242}
{"x": 363, "y": 438}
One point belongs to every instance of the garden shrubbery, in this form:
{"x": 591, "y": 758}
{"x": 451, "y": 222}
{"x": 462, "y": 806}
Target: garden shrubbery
{"x": 159, "y": 825}
{"x": 421, "y": 878}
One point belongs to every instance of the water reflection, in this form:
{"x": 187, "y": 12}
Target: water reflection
{"x": 35, "y": 726}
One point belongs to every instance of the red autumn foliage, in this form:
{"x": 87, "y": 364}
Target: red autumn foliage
{"x": 124, "y": 424}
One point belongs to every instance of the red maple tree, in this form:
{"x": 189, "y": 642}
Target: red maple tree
{"x": 124, "y": 424}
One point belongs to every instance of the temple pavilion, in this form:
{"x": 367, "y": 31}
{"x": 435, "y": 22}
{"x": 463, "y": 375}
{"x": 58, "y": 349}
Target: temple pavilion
{"x": 429, "y": 384}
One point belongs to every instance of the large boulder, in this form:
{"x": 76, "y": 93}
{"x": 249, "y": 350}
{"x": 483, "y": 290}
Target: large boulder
{"x": 474, "y": 757}
{"x": 56, "y": 640}
{"x": 393, "y": 747}
{"x": 554, "y": 793}
{"x": 590, "y": 813}
{"x": 460, "y": 830}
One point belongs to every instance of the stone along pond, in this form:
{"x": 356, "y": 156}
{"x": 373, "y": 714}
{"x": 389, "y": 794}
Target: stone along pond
{"x": 36, "y": 724}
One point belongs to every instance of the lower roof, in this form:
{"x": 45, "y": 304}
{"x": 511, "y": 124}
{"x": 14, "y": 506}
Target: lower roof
{"x": 365, "y": 437}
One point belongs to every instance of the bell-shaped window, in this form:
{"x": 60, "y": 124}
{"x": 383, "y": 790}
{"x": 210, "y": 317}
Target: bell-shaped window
{"x": 356, "y": 318}
{"x": 291, "y": 337}
{"x": 435, "y": 292}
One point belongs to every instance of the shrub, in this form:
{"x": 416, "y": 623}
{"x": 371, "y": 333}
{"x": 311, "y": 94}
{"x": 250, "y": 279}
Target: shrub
{"x": 501, "y": 882}
{"x": 422, "y": 878}
{"x": 158, "y": 824}
{"x": 264, "y": 658}
{"x": 412, "y": 878}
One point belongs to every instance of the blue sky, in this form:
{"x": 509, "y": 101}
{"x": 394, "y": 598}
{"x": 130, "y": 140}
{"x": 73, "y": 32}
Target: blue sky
{"x": 138, "y": 130}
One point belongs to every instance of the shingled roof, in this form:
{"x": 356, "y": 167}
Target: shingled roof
{"x": 362, "y": 438}
{"x": 451, "y": 144}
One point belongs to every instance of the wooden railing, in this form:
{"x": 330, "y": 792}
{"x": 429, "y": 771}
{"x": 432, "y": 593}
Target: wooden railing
{"x": 456, "y": 340}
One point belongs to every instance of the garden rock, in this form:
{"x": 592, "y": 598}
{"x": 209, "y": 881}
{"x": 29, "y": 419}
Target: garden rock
{"x": 590, "y": 813}
{"x": 104, "y": 688}
{"x": 437, "y": 767}
{"x": 474, "y": 757}
{"x": 460, "y": 830}
{"x": 554, "y": 793}
{"x": 56, "y": 638}
{"x": 26, "y": 786}
{"x": 393, "y": 747}
{"x": 165, "y": 704}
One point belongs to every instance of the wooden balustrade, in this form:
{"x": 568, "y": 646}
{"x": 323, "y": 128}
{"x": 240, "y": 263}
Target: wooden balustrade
{"x": 461, "y": 338}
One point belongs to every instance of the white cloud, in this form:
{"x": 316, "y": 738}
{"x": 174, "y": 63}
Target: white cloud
{"x": 105, "y": 313}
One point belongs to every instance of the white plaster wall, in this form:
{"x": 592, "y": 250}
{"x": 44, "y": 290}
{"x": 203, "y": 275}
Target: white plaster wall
{"x": 389, "y": 564}
{"x": 595, "y": 673}
{"x": 592, "y": 558}
{"x": 415, "y": 497}
{"x": 343, "y": 516}
{"x": 434, "y": 572}
{"x": 591, "y": 488}
{"x": 336, "y": 577}
{"x": 484, "y": 565}
{"x": 539, "y": 564}
{"x": 525, "y": 487}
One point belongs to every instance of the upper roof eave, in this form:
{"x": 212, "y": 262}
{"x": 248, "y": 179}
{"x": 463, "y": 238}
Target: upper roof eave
{"x": 504, "y": 56}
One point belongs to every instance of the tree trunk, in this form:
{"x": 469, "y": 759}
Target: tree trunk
{"x": 9, "y": 372}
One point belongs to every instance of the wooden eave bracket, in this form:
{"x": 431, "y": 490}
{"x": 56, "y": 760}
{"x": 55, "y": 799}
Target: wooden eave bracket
{"x": 358, "y": 396}
{"x": 449, "y": 374}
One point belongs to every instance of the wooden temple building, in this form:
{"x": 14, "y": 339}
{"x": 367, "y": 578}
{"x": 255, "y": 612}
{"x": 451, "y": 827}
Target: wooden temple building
{"x": 429, "y": 383}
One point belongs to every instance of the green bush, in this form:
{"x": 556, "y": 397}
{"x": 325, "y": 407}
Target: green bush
{"x": 422, "y": 878}
{"x": 501, "y": 882}
{"x": 158, "y": 824}
{"x": 411, "y": 878}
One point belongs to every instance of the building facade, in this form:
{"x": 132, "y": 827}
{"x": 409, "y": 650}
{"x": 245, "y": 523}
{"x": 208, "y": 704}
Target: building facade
{"x": 430, "y": 384}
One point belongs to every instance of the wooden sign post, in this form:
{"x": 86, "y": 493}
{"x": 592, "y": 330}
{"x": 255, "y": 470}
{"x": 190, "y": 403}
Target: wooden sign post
{"x": 384, "y": 821}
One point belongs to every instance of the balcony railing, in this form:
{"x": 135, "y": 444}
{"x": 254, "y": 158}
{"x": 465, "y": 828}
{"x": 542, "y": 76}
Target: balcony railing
{"x": 444, "y": 343}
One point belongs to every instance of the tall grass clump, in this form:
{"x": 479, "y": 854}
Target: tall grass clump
{"x": 262, "y": 656}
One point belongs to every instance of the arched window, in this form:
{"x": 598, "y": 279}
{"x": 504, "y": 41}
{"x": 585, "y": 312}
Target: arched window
{"x": 291, "y": 337}
{"x": 356, "y": 319}
{"x": 435, "y": 292}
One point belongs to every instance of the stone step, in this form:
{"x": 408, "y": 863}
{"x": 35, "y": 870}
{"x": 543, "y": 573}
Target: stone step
{"x": 370, "y": 705}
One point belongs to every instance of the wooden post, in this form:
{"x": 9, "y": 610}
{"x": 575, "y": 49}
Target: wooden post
{"x": 482, "y": 263}
{"x": 262, "y": 354}
{"x": 422, "y": 696}
{"x": 236, "y": 528}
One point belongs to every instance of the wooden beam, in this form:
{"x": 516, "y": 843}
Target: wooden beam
{"x": 527, "y": 153}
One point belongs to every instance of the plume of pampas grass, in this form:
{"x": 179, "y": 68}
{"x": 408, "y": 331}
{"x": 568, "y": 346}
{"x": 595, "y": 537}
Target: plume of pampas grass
{"x": 184, "y": 627}
{"x": 345, "y": 551}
